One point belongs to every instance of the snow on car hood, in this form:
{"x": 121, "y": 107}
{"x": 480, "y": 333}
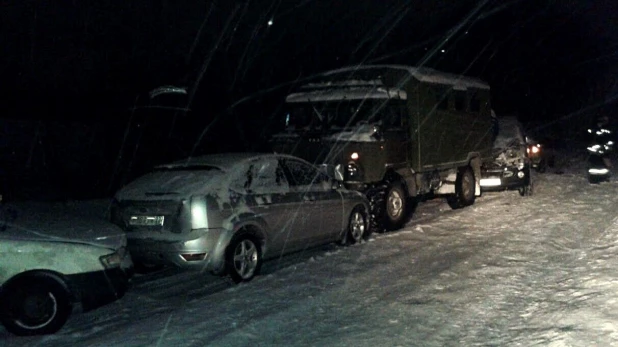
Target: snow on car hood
{"x": 172, "y": 184}
{"x": 38, "y": 221}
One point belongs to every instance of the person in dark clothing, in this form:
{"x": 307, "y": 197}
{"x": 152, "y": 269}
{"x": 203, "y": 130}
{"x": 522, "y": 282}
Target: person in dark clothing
{"x": 601, "y": 145}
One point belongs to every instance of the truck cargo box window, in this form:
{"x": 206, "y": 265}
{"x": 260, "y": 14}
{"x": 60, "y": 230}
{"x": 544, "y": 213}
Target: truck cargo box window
{"x": 460, "y": 100}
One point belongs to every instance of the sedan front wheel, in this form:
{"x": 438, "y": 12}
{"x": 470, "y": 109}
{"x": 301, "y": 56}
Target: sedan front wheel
{"x": 358, "y": 227}
{"x": 35, "y": 304}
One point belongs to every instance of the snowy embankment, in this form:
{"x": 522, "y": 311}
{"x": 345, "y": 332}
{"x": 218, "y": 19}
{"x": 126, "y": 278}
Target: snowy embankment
{"x": 507, "y": 271}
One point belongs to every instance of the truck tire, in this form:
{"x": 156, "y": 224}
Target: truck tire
{"x": 396, "y": 206}
{"x": 464, "y": 189}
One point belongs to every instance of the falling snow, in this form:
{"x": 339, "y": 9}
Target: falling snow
{"x": 508, "y": 271}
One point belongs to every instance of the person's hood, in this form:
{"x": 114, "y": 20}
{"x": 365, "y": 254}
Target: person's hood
{"x": 54, "y": 222}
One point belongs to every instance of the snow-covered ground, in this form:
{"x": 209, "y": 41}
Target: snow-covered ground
{"x": 507, "y": 271}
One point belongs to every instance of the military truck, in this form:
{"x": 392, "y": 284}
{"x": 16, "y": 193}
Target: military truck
{"x": 395, "y": 133}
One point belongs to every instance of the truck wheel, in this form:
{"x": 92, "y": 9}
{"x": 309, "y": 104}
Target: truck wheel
{"x": 464, "y": 189}
{"x": 396, "y": 206}
{"x": 35, "y": 304}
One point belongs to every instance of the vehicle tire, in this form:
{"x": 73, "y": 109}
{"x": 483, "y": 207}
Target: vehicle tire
{"x": 358, "y": 228}
{"x": 464, "y": 189}
{"x": 526, "y": 190}
{"x": 541, "y": 167}
{"x": 395, "y": 209}
{"x": 35, "y": 304}
{"x": 243, "y": 258}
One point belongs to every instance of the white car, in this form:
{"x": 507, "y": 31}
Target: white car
{"x": 53, "y": 262}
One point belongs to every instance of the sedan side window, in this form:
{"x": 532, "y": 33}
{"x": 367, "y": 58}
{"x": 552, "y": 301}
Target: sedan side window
{"x": 261, "y": 177}
{"x": 306, "y": 176}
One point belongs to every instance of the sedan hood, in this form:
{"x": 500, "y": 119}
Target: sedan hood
{"x": 33, "y": 221}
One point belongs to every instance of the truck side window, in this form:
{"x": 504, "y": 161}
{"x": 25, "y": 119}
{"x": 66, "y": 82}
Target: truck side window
{"x": 460, "y": 100}
{"x": 392, "y": 117}
{"x": 475, "y": 103}
{"x": 442, "y": 96}
{"x": 302, "y": 174}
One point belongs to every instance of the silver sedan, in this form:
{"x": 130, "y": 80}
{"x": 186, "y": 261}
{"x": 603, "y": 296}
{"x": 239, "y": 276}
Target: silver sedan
{"x": 226, "y": 213}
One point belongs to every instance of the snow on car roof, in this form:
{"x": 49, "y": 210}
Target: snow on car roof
{"x": 422, "y": 74}
{"x": 185, "y": 178}
{"x": 221, "y": 161}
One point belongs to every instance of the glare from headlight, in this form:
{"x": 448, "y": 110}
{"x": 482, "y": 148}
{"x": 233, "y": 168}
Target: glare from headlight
{"x": 490, "y": 182}
{"x": 594, "y": 171}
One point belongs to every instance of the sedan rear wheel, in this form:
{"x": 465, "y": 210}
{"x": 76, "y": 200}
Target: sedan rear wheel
{"x": 243, "y": 258}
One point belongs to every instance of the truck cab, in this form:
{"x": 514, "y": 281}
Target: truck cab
{"x": 392, "y": 132}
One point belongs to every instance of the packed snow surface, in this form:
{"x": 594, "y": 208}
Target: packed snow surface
{"x": 507, "y": 271}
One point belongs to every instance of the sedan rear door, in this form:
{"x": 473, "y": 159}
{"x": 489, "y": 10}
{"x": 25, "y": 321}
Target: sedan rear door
{"x": 322, "y": 208}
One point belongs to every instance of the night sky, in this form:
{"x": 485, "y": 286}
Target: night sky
{"x": 553, "y": 63}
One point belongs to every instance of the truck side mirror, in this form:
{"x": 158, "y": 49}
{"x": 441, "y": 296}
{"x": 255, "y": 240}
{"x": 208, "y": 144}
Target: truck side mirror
{"x": 377, "y": 132}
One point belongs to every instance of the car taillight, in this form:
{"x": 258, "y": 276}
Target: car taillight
{"x": 199, "y": 213}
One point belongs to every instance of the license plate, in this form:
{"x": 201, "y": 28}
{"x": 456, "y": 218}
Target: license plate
{"x": 147, "y": 220}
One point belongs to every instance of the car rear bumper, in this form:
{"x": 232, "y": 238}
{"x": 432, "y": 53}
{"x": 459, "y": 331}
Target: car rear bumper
{"x": 204, "y": 252}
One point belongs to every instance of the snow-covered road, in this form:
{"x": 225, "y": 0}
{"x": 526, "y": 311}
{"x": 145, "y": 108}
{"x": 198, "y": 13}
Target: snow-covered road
{"x": 507, "y": 271}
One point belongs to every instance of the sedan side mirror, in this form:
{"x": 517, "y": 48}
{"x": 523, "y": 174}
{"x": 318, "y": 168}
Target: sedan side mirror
{"x": 336, "y": 184}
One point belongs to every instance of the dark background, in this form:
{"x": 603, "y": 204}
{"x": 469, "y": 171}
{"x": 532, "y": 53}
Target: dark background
{"x": 73, "y": 72}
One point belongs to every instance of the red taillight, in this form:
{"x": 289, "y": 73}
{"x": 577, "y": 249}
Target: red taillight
{"x": 193, "y": 256}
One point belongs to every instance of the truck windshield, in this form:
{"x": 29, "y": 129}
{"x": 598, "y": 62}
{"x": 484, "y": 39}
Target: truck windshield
{"x": 342, "y": 114}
